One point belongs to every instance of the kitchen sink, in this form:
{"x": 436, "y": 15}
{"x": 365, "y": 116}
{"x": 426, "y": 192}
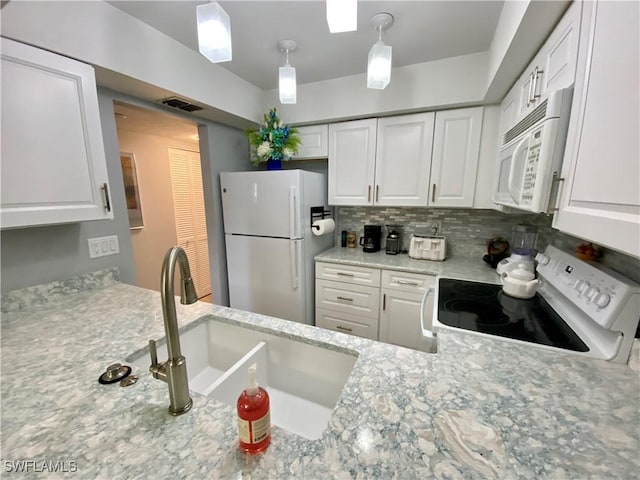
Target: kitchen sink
{"x": 304, "y": 381}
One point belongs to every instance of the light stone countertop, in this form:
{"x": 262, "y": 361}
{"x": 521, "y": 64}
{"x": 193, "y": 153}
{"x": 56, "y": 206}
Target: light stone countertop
{"x": 467, "y": 268}
{"x": 479, "y": 408}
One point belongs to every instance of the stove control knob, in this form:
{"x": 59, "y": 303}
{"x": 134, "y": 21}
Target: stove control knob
{"x": 602, "y": 300}
{"x": 592, "y": 292}
{"x": 581, "y": 286}
{"x": 542, "y": 259}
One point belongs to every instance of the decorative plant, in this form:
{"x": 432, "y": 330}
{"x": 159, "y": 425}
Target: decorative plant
{"x": 273, "y": 141}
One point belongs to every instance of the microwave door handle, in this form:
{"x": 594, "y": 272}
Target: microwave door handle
{"x": 512, "y": 174}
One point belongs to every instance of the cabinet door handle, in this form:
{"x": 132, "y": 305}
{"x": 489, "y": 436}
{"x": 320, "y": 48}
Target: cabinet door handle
{"x": 530, "y": 88}
{"x": 346, "y": 299}
{"x": 344, "y": 274}
{"x": 433, "y": 194}
{"x": 377, "y": 193}
{"x": 340, "y": 327}
{"x": 534, "y": 95}
{"x": 368, "y": 193}
{"x": 107, "y": 202}
{"x": 384, "y": 301}
{"x": 407, "y": 282}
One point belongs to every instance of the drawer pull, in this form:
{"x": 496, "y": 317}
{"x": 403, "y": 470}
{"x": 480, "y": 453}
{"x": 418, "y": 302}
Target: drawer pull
{"x": 346, "y": 299}
{"x": 344, "y": 274}
{"x": 339, "y": 327}
{"x": 406, "y": 282}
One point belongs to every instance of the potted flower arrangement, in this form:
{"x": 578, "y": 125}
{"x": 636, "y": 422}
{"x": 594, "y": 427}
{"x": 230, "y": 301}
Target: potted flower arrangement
{"x": 273, "y": 142}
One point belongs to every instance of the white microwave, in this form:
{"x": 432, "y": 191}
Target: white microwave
{"x": 531, "y": 155}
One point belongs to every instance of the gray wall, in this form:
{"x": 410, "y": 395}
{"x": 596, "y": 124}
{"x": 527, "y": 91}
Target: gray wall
{"x": 35, "y": 255}
{"x": 222, "y": 149}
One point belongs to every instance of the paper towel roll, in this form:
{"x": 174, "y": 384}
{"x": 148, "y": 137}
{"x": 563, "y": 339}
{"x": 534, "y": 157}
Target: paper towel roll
{"x": 322, "y": 227}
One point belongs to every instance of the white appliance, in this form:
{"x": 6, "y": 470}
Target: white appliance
{"x": 269, "y": 244}
{"x": 580, "y": 308}
{"x": 428, "y": 247}
{"x": 531, "y": 155}
{"x": 515, "y": 261}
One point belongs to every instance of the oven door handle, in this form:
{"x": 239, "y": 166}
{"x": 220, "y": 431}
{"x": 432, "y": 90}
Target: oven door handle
{"x": 425, "y": 331}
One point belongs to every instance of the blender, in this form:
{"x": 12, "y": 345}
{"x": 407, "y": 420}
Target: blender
{"x": 523, "y": 250}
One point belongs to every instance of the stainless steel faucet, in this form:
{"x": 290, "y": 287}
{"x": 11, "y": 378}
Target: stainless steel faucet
{"x": 174, "y": 370}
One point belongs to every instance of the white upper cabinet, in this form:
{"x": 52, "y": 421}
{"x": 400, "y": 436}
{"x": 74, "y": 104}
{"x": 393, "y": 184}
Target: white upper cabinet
{"x": 600, "y": 198}
{"x": 454, "y": 165}
{"x": 314, "y": 142}
{"x": 352, "y": 158}
{"x": 403, "y": 156}
{"x": 391, "y": 162}
{"x": 554, "y": 65}
{"x": 53, "y": 165}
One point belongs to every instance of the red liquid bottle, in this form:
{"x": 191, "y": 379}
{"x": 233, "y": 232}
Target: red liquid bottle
{"x": 254, "y": 421}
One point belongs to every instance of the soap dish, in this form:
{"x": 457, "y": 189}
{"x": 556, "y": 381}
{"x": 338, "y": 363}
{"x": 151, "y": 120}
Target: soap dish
{"x": 114, "y": 373}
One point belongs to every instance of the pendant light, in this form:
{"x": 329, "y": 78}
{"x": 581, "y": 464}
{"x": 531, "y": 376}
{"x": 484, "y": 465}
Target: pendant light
{"x": 214, "y": 32}
{"x": 287, "y": 74}
{"x": 379, "y": 65}
{"x": 342, "y": 15}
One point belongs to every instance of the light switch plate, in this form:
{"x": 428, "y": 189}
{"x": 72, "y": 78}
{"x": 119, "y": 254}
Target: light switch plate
{"x": 103, "y": 246}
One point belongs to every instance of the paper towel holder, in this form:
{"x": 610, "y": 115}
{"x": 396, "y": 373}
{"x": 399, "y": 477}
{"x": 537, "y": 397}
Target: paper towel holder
{"x": 319, "y": 213}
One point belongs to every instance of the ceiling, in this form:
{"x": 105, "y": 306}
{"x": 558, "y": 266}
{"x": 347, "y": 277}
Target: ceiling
{"x": 423, "y": 31}
{"x": 142, "y": 120}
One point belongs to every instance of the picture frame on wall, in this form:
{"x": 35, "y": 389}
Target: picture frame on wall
{"x": 131, "y": 190}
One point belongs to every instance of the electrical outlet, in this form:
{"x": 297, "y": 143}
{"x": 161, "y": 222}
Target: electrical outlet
{"x": 103, "y": 246}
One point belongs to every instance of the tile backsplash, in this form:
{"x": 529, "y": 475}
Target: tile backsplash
{"x": 468, "y": 230}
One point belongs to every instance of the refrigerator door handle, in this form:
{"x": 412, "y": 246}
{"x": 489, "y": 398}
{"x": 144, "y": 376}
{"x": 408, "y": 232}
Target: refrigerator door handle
{"x": 293, "y": 263}
{"x": 292, "y": 213}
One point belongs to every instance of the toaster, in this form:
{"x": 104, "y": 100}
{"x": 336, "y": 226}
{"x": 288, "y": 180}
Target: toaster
{"x": 427, "y": 247}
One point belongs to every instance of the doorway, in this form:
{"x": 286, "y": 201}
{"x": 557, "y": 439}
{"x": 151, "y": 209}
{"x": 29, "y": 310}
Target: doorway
{"x": 164, "y": 151}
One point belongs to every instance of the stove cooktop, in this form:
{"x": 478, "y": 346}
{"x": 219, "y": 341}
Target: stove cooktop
{"x": 485, "y": 308}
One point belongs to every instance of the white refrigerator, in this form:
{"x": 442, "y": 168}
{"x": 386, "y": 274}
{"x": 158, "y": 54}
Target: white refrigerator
{"x": 269, "y": 244}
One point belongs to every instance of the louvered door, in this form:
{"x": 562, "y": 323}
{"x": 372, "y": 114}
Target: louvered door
{"x": 191, "y": 226}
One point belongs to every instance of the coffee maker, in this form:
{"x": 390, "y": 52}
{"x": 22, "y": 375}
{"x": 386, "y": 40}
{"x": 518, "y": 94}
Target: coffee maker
{"x": 371, "y": 240}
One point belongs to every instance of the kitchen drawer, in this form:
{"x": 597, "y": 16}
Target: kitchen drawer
{"x": 407, "y": 282}
{"x": 348, "y": 273}
{"x": 347, "y": 298}
{"x": 345, "y": 323}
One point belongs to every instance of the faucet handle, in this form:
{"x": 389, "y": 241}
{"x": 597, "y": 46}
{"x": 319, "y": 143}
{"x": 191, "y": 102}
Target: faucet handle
{"x": 153, "y": 351}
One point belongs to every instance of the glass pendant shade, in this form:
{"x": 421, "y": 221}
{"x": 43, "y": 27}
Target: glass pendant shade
{"x": 287, "y": 84}
{"x": 214, "y": 32}
{"x": 342, "y": 15}
{"x": 379, "y": 66}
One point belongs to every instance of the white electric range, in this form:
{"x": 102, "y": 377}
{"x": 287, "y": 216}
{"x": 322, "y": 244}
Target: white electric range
{"x": 580, "y": 308}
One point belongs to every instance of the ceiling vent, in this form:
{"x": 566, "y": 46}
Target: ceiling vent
{"x": 181, "y": 104}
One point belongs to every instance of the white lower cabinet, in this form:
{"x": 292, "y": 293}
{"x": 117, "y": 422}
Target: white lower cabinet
{"x": 387, "y": 307}
{"x": 347, "y": 298}
{"x": 366, "y": 327}
{"x": 400, "y": 308}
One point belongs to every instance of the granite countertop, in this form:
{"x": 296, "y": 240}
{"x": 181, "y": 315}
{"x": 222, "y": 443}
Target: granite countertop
{"x": 479, "y": 408}
{"x": 468, "y": 268}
